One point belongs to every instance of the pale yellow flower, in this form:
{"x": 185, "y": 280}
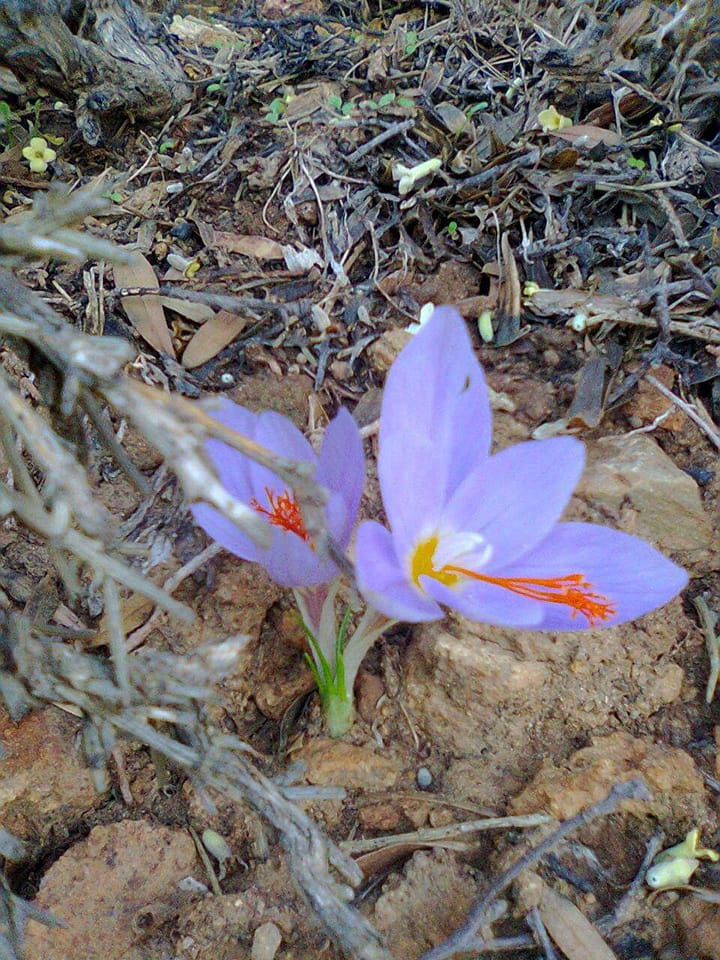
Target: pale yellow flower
{"x": 408, "y": 176}
{"x": 550, "y": 119}
{"x": 38, "y": 154}
{"x": 675, "y": 866}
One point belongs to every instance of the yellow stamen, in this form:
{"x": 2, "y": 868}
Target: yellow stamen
{"x": 571, "y": 590}
{"x": 284, "y": 512}
{"x": 422, "y": 565}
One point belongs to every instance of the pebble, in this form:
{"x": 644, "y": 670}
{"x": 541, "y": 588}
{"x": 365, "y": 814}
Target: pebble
{"x": 424, "y": 778}
{"x": 266, "y": 941}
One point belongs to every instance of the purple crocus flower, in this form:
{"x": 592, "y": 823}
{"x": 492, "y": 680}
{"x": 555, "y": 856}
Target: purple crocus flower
{"x": 480, "y": 533}
{"x": 290, "y": 558}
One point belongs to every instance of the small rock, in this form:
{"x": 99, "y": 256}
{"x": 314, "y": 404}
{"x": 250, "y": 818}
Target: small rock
{"x": 266, "y": 942}
{"x": 383, "y": 817}
{"x": 562, "y": 790}
{"x": 426, "y": 904}
{"x": 634, "y": 480}
{"x": 43, "y": 779}
{"x": 340, "y": 764}
{"x": 384, "y": 351}
{"x": 648, "y": 403}
{"x": 424, "y": 778}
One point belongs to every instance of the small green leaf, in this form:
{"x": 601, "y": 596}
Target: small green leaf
{"x": 335, "y": 102}
{"x": 476, "y": 108}
{"x": 405, "y": 102}
{"x": 386, "y": 99}
{"x": 636, "y": 163}
{"x": 411, "y": 42}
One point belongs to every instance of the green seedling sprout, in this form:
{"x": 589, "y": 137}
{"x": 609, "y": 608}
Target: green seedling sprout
{"x": 412, "y": 42}
{"x": 337, "y": 703}
{"x": 277, "y": 108}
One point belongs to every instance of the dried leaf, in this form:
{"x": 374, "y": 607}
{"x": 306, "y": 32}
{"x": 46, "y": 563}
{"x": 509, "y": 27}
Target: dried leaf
{"x": 145, "y": 198}
{"x": 588, "y": 136}
{"x": 196, "y": 31}
{"x": 300, "y": 261}
{"x": 248, "y": 245}
{"x": 135, "y": 610}
{"x": 508, "y": 316}
{"x": 378, "y": 861}
{"x": 197, "y": 312}
{"x": 145, "y": 313}
{"x": 455, "y": 119}
{"x": 212, "y": 337}
{"x": 597, "y": 307}
{"x": 628, "y": 24}
{"x": 586, "y": 409}
{"x": 306, "y": 103}
{"x": 571, "y": 930}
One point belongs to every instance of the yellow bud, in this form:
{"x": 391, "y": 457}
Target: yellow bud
{"x": 671, "y": 873}
{"x": 688, "y": 848}
{"x": 550, "y": 119}
{"x": 485, "y": 325}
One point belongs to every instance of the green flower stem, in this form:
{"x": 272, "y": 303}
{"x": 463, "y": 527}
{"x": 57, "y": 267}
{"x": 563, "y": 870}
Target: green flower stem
{"x": 334, "y": 662}
{"x": 339, "y": 715}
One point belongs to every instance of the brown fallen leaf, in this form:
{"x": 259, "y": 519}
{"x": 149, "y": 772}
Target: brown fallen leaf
{"x": 507, "y": 329}
{"x": 145, "y": 313}
{"x": 571, "y": 930}
{"x": 587, "y": 135}
{"x": 219, "y": 331}
{"x": 197, "y": 312}
{"x": 378, "y": 861}
{"x": 596, "y": 379}
{"x": 135, "y": 610}
{"x": 248, "y": 245}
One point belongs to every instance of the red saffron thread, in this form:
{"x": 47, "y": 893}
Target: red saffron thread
{"x": 284, "y": 512}
{"x": 572, "y": 590}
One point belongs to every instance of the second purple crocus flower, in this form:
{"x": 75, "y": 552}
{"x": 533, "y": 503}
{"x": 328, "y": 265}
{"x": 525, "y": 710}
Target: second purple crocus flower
{"x": 480, "y": 533}
{"x": 291, "y": 559}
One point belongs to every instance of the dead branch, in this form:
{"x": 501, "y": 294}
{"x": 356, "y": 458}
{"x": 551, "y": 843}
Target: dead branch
{"x": 101, "y": 55}
{"x": 469, "y": 937}
{"x": 78, "y": 373}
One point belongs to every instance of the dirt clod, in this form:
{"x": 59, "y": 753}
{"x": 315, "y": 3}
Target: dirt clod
{"x": 122, "y": 874}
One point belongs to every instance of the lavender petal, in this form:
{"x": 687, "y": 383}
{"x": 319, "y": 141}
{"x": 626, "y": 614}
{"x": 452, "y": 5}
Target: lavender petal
{"x": 383, "y": 581}
{"x": 517, "y": 496}
{"x": 435, "y": 424}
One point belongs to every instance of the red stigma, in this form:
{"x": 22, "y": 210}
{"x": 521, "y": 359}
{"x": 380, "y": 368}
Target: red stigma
{"x": 284, "y": 512}
{"x": 572, "y": 591}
